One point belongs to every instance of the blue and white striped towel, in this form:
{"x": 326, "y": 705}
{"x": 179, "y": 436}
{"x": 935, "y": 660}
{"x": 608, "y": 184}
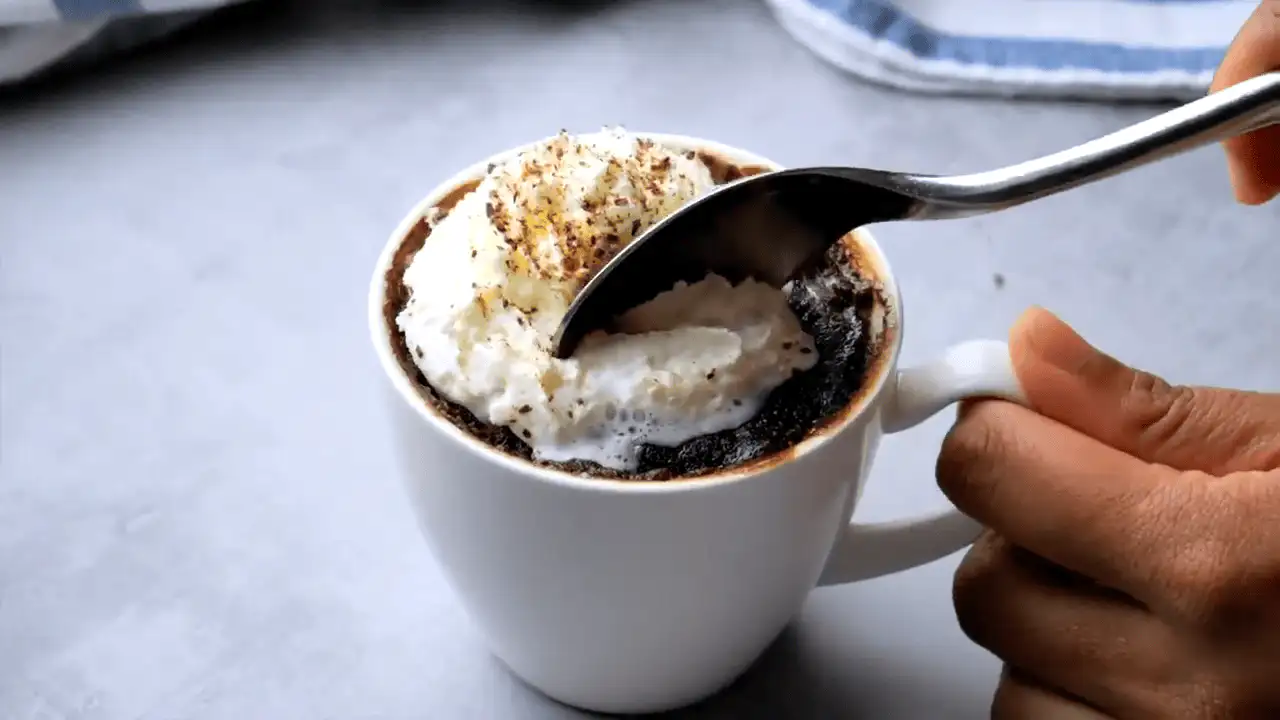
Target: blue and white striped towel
{"x": 1102, "y": 49}
{"x": 36, "y": 34}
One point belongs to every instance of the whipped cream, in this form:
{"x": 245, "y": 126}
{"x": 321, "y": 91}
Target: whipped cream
{"x": 499, "y": 270}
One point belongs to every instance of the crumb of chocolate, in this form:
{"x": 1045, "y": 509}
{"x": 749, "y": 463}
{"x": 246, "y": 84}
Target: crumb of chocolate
{"x": 584, "y": 243}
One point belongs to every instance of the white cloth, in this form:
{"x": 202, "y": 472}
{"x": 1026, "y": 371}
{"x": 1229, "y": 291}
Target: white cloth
{"x": 1102, "y": 49}
{"x": 35, "y": 34}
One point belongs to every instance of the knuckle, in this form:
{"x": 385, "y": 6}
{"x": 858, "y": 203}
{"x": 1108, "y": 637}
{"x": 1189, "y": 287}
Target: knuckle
{"x": 1197, "y": 572}
{"x": 1240, "y": 426}
{"x": 1161, "y": 412}
{"x": 1200, "y": 585}
{"x": 1174, "y": 421}
{"x": 1233, "y": 604}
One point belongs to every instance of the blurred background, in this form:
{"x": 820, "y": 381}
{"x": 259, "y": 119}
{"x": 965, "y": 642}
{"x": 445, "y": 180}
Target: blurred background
{"x": 199, "y": 514}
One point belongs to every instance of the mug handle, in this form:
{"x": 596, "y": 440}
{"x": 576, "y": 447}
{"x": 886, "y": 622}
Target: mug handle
{"x": 978, "y": 368}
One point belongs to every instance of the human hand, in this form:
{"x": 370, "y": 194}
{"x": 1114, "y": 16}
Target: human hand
{"x": 1132, "y": 564}
{"x": 1254, "y": 159}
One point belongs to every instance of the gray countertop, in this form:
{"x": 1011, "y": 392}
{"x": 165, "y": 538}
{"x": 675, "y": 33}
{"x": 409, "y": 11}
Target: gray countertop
{"x": 199, "y": 513}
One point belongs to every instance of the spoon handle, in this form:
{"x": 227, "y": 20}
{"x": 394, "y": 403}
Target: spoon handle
{"x": 1241, "y": 108}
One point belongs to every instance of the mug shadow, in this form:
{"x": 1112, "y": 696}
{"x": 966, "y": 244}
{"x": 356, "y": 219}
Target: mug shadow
{"x": 792, "y": 680}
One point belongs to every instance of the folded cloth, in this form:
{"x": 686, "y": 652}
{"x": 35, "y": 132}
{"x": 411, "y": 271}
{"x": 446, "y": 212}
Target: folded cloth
{"x": 1084, "y": 49}
{"x": 38, "y": 34}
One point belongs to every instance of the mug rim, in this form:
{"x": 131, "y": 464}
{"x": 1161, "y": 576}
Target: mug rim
{"x": 407, "y": 389}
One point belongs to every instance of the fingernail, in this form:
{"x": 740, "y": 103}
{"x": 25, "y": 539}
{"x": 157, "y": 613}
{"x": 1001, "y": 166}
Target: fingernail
{"x": 1053, "y": 341}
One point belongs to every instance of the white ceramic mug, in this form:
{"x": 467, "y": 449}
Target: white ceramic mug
{"x": 630, "y": 597}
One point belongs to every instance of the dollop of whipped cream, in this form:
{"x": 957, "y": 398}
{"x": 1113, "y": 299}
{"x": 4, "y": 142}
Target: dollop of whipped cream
{"x": 499, "y": 270}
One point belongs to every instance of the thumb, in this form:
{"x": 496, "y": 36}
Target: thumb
{"x": 1187, "y": 428}
{"x": 1253, "y": 160}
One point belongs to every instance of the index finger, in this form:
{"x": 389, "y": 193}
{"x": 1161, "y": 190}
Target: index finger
{"x": 1253, "y": 159}
{"x": 1077, "y": 502}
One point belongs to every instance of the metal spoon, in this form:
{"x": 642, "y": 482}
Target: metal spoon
{"x": 769, "y": 226}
